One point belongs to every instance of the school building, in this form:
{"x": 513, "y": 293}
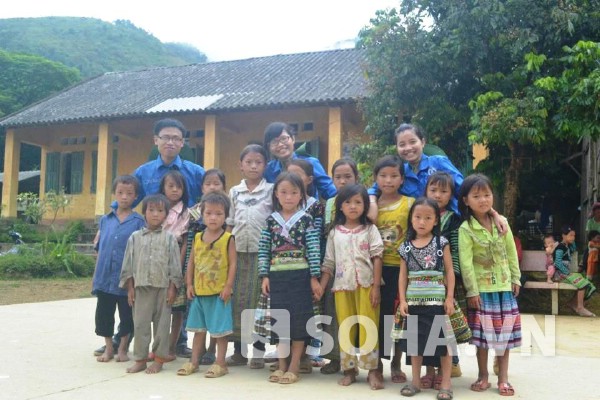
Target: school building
{"x": 102, "y": 127}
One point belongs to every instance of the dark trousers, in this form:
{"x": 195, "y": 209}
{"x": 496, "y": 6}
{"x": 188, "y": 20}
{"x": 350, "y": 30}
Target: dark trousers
{"x": 106, "y": 306}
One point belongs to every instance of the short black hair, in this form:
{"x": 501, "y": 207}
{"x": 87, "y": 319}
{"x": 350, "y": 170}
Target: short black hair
{"x": 592, "y": 234}
{"x": 253, "y": 148}
{"x": 126, "y": 180}
{"x": 169, "y": 123}
{"x": 155, "y": 199}
{"x": 275, "y": 129}
{"x": 216, "y": 198}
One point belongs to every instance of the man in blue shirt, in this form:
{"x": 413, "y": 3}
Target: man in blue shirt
{"x": 168, "y": 137}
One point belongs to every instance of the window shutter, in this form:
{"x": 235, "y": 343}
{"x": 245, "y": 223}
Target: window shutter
{"x": 52, "y": 171}
{"x": 77, "y": 171}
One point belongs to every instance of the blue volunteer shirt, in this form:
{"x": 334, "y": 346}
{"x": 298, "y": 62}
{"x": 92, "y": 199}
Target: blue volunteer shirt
{"x": 414, "y": 184}
{"x": 111, "y": 250}
{"x": 322, "y": 182}
{"x": 151, "y": 173}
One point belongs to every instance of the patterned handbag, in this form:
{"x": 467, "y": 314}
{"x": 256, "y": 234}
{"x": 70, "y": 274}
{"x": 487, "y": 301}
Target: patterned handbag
{"x": 460, "y": 326}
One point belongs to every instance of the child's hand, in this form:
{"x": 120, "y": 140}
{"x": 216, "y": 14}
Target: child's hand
{"x": 265, "y": 286}
{"x": 516, "y": 289}
{"x": 130, "y": 296}
{"x": 403, "y": 306}
{"x": 226, "y": 293}
{"x": 373, "y": 209}
{"x": 316, "y": 288}
{"x": 190, "y": 292}
{"x": 171, "y": 294}
{"x": 375, "y": 296}
{"x": 449, "y": 306}
{"x": 474, "y": 302}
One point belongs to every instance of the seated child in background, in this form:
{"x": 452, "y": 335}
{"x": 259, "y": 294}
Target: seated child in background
{"x": 549, "y": 245}
{"x": 151, "y": 273}
{"x": 593, "y": 256}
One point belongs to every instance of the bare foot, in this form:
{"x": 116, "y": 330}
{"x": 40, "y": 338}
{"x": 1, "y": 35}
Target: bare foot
{"x": 348, "y": 379}
{"x": 137, "y": 367}
{"x": 122, "y": 357}
{"x": 105, "y": 357}
{"x": 169, "y": 358}
{"x": 154, "y": 368}
{"x": 375, "y": 379}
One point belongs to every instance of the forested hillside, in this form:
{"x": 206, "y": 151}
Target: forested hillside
{"x": 91, "y": 45}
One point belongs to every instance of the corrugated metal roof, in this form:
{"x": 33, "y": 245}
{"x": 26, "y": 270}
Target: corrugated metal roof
{"x": 293, "y": 79}
{"x": 23, "y": 175}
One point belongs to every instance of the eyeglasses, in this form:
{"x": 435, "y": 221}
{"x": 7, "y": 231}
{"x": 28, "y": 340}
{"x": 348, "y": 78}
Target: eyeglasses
{"x": 283, "y": 139}
{"x": 174, "y": 139}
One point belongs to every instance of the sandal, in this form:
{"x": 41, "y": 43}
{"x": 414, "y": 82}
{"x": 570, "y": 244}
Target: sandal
{"x": 187, "y": 369}
{"x": 305, "y": 365}
{"x": 208, "y": 358}
{"x": 349, "y": 378}
{"x": 276, "y": 376}
{"x": 506, "y": 389}
{"x": 289, "y": 378}
{"x": 409, "y": 390}
{"x": 332, "y": 368}
{"x": 480, "y": 386}
{"x": 216, "y": 371}
{"x": 427, "y": 381}
{"x": 375, "y": 379}
{"x": 437, "y": 382}
{"x": 445, "y": 394}
{"x": 257, "y": 363}
{"x": 236, "y": 360}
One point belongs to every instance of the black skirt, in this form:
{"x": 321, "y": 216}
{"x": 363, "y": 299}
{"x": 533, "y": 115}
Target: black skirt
{"x": 425, "y": 322}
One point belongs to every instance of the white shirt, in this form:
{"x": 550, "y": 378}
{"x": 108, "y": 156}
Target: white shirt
{"x": 250, "y": 210}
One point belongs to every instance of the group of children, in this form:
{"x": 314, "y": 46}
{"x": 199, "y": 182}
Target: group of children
{"x": 417, "y": 261}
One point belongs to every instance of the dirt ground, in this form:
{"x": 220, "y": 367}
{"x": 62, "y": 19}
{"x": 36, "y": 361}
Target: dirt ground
{"x": 38, "y": 290}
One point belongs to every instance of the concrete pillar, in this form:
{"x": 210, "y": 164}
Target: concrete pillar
{"x": 334, "y": 137}
{"x": 212, "y": 145}
{"x": 104, "y": 175}
{"x": 12, "y": 156}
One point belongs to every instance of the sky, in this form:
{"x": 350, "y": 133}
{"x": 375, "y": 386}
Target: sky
{"x": 225, "y": 29}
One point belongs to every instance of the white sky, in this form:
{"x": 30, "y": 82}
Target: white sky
{"x": 225, "y": 29}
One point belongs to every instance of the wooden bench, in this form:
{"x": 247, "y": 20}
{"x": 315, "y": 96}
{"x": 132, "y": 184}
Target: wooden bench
{"x": 535, "y": 261}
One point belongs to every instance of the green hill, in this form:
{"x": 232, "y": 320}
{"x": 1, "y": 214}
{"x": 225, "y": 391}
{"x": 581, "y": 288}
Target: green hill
{"x": 91, "y": 45}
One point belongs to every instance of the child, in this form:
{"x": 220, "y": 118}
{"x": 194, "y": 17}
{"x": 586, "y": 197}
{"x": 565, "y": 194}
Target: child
{"x": 562, "y": 258}
{"x": 210, "y": 277}
{"x": 593, "y": 222}
{"x": 440, "y": 188}
{"x": 353, "y": 257}
{"x": 344, "y": 172}
{"x": 392, "y": 221}
{"x": 549, "y": 246}
{"x": 315, "y": 209}
{"x": 289, "y": 265}
{"x": 426, "y": 287}
{"x": 114, "y": 230}
{"x": 490, "y": 270}
{"x": 251, "y": 204}
{"x": 151, "y": 273}
{"x": 173, "y": 186}
{"x": 593, "y": 254}
{"x": 212, "y": 181}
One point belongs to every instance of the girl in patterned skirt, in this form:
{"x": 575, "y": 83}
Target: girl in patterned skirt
{"x": 289, "y": 265}
{"x": 491, "y": 275}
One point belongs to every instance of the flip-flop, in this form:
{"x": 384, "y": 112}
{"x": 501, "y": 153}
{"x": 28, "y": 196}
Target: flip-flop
{"x": 398, "y": 376}
{"x": 506, "y": 389}
{"x": 437, "y": 382}
{"x": 445, "y": 394}
{"x": 289, "y": 378}
{"x": 187, "y": 369}
{"x": 276, "y": 376}
{"x": 479, "y": 386}
{"x": 427, "y": 381}
{"x": 216, "y": 371}
{"x": 409, "y": 390}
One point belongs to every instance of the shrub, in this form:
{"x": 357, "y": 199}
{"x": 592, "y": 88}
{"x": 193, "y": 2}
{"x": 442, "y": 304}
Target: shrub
{"x": 31, "y": 262}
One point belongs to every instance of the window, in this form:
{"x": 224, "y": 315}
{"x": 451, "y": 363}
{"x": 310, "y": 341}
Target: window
{"x": 64, "y": 170}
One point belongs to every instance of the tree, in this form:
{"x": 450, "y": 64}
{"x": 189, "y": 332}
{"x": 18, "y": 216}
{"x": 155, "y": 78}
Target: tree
{"x": 429, "y": 58}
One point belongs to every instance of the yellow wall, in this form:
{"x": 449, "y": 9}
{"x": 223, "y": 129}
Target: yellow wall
{"x": 234, "y": 131}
